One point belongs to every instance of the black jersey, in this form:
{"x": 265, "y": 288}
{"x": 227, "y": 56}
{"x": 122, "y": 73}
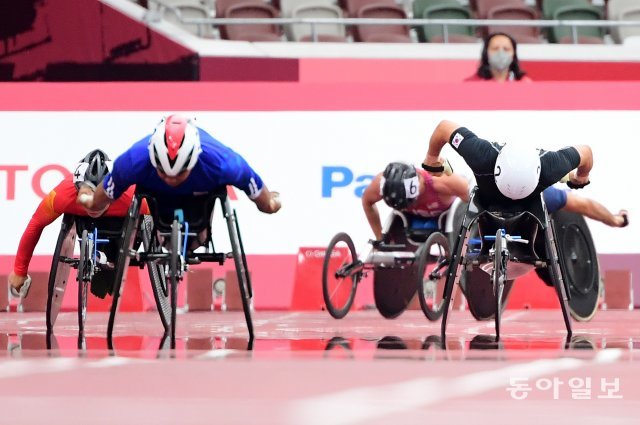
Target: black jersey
{"x": 481, "y": 156}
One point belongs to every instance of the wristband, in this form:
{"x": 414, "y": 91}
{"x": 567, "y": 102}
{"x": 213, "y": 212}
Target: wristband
{"x": 433, "y": 169}
{"x": 577, "y": 186}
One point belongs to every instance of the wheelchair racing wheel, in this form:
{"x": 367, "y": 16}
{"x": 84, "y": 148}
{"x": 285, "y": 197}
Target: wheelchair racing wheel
{"x": 174, "y": 275}
{"x": 156, "y": 274}
{"x": 338, "y": 284}
{"x": 127, "y": 239}
{"x": 85, "y": 274}
{"x": 60, "y": 269}
{"x": 499, "y": 275}
{"x": 394, "y": 287}
{"x": 433, "y": 262}
{"x": 579, "y": 263}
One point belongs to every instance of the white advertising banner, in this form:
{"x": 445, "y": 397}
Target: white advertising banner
{"x": 320, "y": 162}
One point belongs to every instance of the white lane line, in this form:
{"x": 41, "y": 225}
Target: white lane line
{"x": 15, "y": 368}
{"x": 359, "y": 405}
{"x": 220, "y": 353}
{"x": 276, "y": 319}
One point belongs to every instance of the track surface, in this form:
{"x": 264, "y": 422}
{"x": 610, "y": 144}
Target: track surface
{"x": 307, "y": 368}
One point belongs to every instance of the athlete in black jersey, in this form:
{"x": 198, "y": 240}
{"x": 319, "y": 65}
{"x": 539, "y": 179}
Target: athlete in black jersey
{"x": 509, "y": 176}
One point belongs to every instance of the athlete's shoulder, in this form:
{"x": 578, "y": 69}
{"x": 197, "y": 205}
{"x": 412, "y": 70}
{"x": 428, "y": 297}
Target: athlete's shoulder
{"x": 64, "y": 195}
{"x": 135, "y": 158}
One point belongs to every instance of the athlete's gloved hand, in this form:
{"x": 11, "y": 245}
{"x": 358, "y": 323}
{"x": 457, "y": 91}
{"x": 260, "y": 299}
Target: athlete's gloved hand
{"x": 275, "y": 202}
{"x": 375, "y": 242}
{"x": 574, "y": 181}
{"x": 437, "y": 167}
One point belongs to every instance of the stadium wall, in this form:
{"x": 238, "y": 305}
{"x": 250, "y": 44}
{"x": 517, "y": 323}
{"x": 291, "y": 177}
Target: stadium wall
{"x": 319, "y": 144}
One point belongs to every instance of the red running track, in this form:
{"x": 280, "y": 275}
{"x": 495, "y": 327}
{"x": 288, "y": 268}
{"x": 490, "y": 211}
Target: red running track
{"x": 306, "y": 368}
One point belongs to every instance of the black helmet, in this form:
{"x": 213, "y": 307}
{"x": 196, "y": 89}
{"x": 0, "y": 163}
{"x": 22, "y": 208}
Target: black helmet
{"x": 92, "y": 169}
{"x": 399, "y": 185}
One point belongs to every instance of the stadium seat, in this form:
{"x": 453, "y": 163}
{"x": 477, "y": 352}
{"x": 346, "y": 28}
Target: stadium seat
{"x": 443, "y": 9}
{"x": 255, "y": 32}
{"x": 383, "y": 33}
{"x": 353, "y": 6}
{"x": 579, "y": 10}
{"x": 189, "y": 11}
{"x": 520, "y": 34}
{"x": 326, "y": 33}
{"x": 624, "y": 10}
{"x": 286, "y": 6}
{"x": 483, "y": 6}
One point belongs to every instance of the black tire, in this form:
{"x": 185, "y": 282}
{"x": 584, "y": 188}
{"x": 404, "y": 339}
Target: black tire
{"x": 478, "y": 290}
{"x": 59, "y": 274}
{"x": 432, "y": 306}
{"x": 85, "y": 273}
{"x": 579, "y": 263}
{"x": 395, "y": 287}
{"x": 339, "y": 292}
{"x": 242, "y": 272}
{"x": 156, "y": 274}
{"x": 174, "y": 273}
{"x": 127, "y": 239}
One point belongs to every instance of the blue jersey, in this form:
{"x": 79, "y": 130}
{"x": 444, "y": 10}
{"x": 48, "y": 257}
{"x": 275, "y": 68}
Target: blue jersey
{"x": 217, "y": 166}
{"x": 554, "y": 198}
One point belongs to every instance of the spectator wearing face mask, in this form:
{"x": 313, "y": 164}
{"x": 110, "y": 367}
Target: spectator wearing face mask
{"x": 499, "y": 61}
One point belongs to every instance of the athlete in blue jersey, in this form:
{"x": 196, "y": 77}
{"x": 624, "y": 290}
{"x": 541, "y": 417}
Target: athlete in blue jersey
{"x": 181, "y": 159}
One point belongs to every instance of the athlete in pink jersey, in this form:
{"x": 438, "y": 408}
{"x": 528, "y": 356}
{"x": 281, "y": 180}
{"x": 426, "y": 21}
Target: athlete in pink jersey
{"x": 413, "y": 191}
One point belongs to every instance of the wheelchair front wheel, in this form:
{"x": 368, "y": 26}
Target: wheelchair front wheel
{"x": 499, "y": 276}
{"x": 339, "y": 279}
{"x": 433, "y": 263}
{"x": 174, "y": 275}
{"x": 156, "y": 274}
{"x": 85, "y": 273}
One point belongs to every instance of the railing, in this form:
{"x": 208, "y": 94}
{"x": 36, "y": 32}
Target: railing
{"x": 412, "y": 23}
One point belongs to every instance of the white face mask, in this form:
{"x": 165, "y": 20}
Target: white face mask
{"x": 500, "y": 61}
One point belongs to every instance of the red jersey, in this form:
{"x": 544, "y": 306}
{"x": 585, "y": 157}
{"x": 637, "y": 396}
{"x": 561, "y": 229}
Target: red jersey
{"x": 62, "y": 200}
{"x": 428, "y": 204}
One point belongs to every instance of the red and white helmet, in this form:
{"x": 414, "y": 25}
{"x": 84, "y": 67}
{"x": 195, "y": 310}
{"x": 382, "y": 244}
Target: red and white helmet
{"x": 175, "y": 145}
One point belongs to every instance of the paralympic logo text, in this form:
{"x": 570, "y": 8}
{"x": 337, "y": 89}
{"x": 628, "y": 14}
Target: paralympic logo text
{"x": 341, "y": 177}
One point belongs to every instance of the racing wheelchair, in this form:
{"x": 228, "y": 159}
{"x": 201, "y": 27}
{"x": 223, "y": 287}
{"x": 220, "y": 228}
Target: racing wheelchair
{"x": 510, "y": 243}
{"x": 179, "y": 226}
{"x": 413, "y": 256}
{"x": 94, "y": 235}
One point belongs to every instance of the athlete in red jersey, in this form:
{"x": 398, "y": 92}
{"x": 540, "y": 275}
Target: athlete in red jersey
{"x": 411, "y": 190}
{"x": 62, "y": 200}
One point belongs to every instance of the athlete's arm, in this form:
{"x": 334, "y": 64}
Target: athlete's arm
{"x": 593, "y": 209}
{"x": 453, "y": 185}
{"x": 586, "y": 163}
{"x": 440, "y": 137}
{"x": 267, "y": 201}
{"x": 370, "y": 197}
{"x": 44, "y": 215}
{"x": 556, "y": 164}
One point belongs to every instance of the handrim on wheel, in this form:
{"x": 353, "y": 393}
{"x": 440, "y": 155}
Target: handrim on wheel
{"x": 433, "y": 262}
{"x": 339, "y": 279}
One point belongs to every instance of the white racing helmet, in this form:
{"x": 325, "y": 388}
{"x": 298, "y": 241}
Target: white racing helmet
{"x": 174, "y": 145}
{"x": 517, "y": 171}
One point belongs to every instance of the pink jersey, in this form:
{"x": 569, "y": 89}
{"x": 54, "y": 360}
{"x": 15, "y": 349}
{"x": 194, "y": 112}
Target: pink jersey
{"x": 428, "y": 203}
